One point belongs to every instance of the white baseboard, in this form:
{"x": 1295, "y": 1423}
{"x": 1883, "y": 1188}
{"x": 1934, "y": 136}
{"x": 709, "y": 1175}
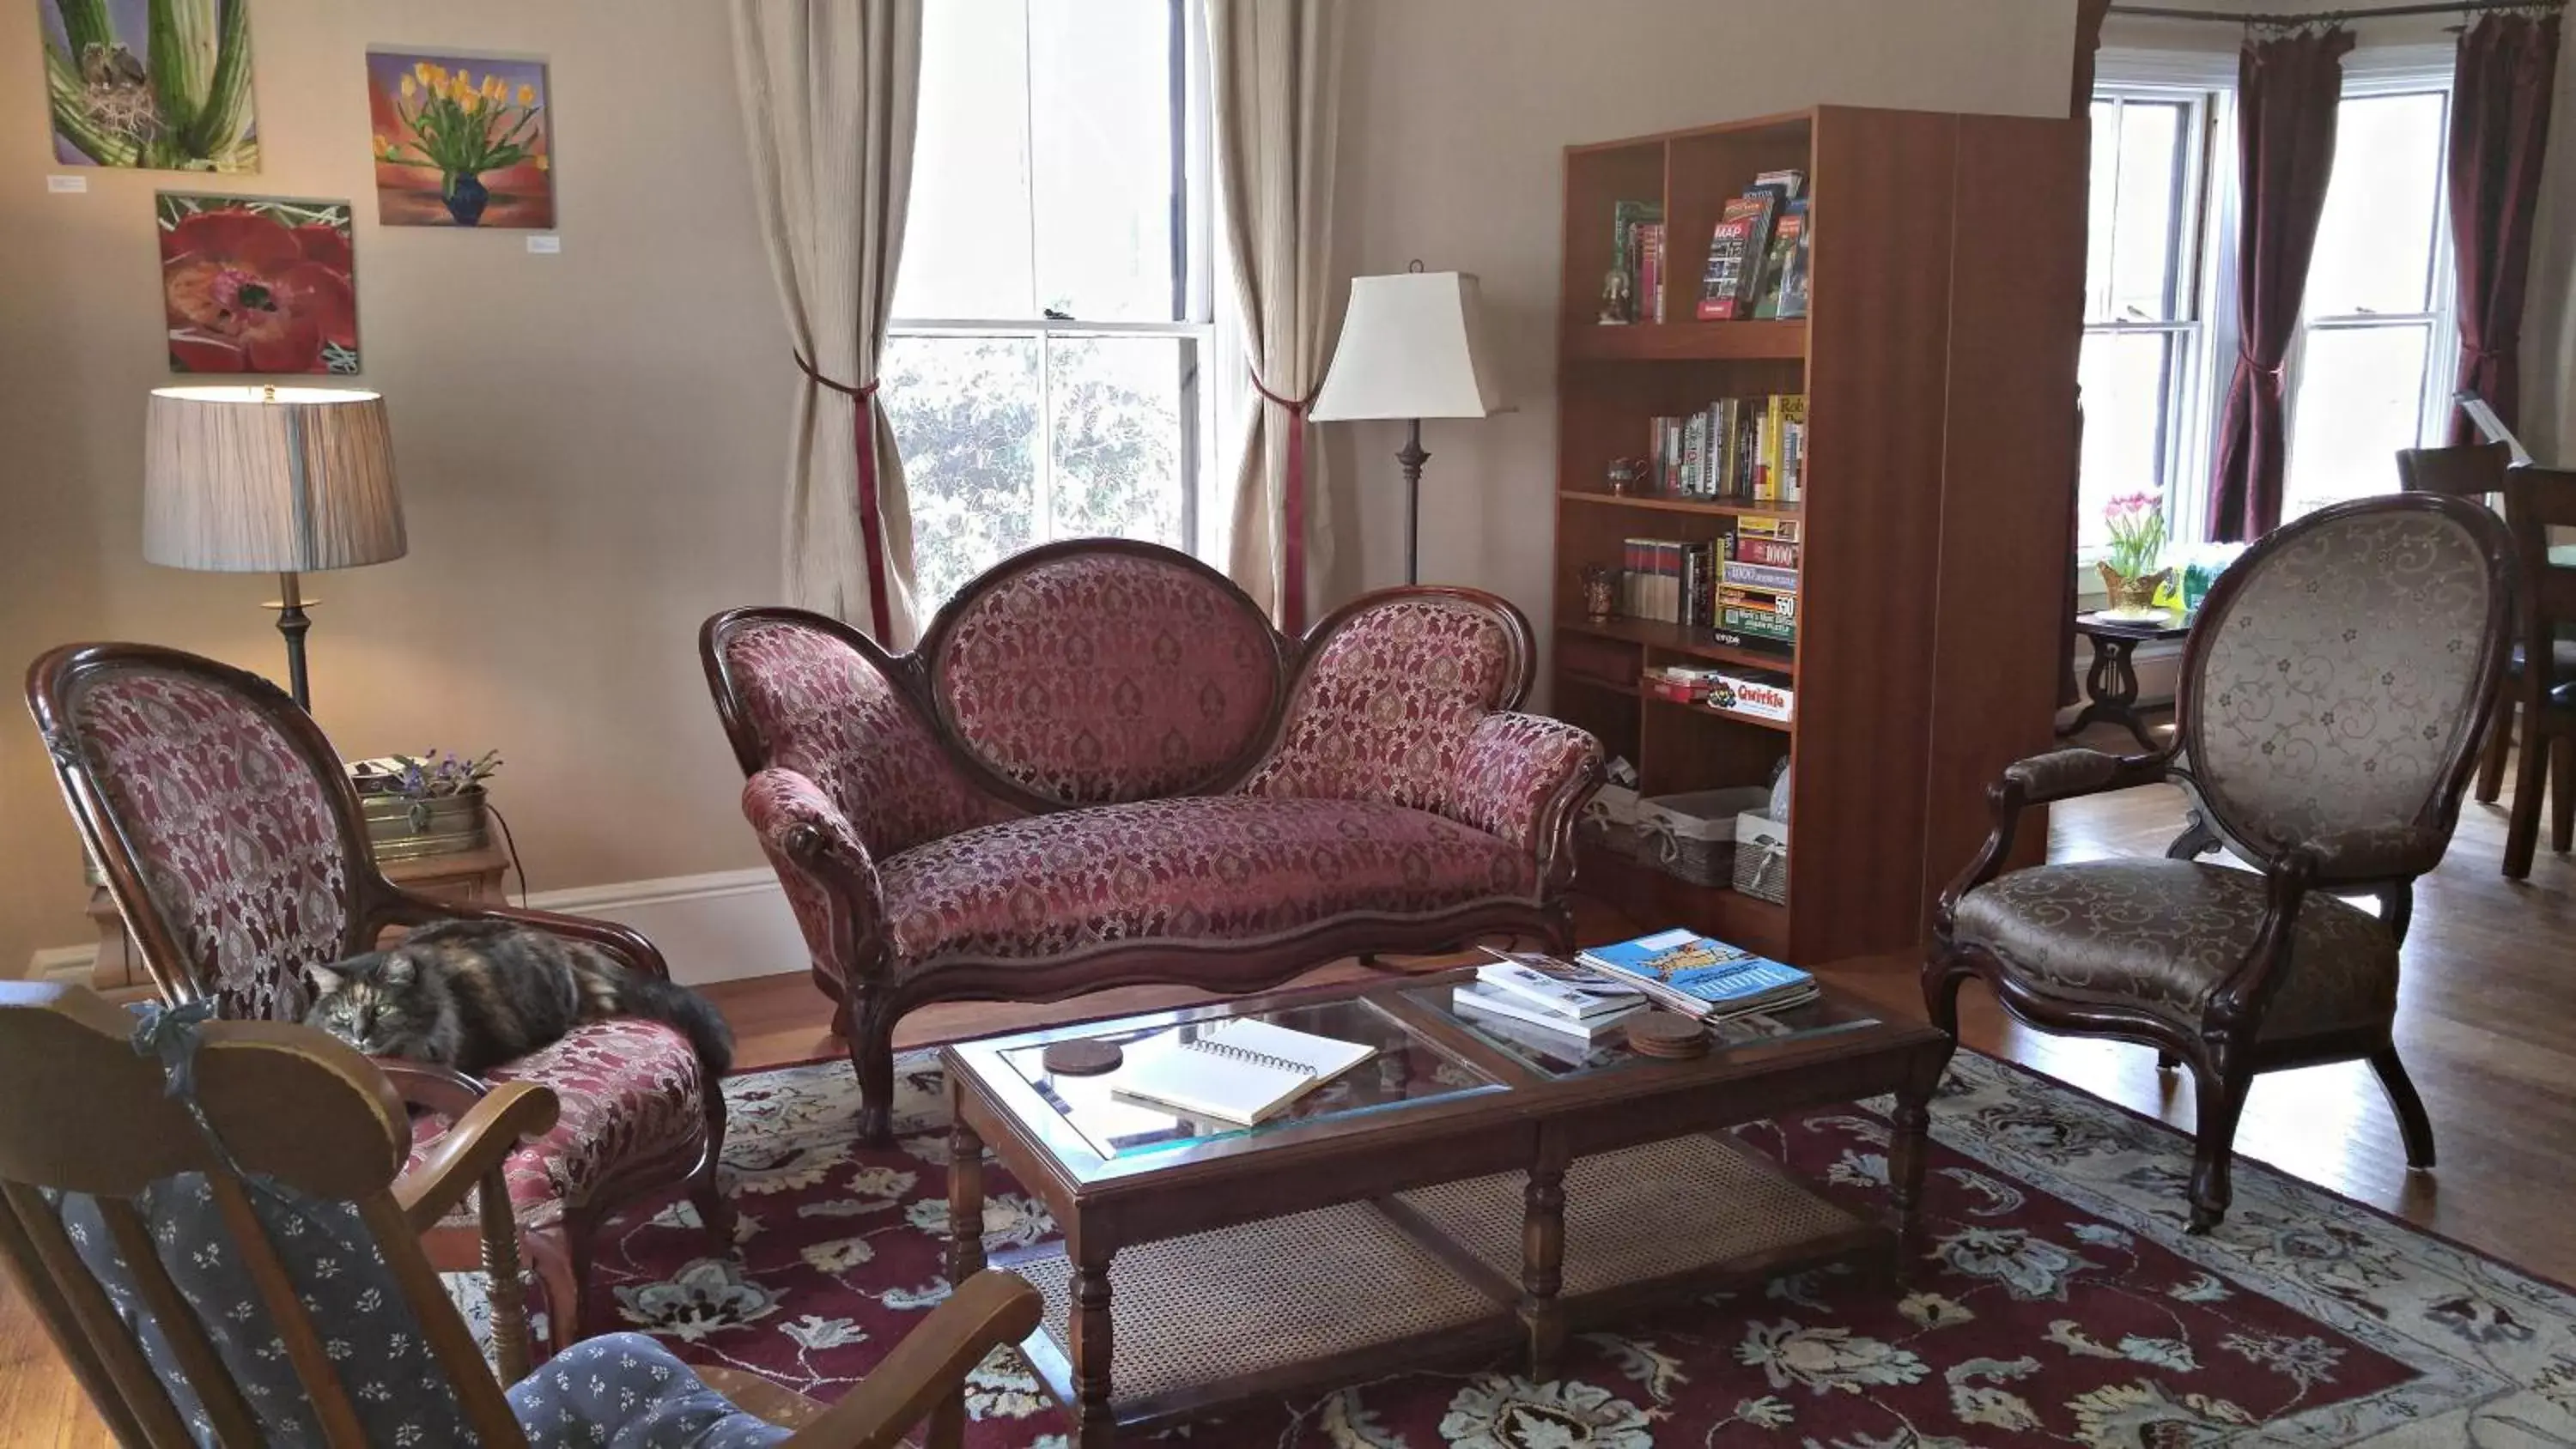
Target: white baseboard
{"x": 718, "y": 927}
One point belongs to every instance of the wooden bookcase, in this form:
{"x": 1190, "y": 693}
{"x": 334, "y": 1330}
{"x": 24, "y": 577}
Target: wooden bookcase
{"x": 1938, "y": 360}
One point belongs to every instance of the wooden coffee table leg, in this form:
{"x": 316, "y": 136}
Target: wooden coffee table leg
{"x": 1543, "y": 1257}
{"x": 1910, "y": 1150}
{"x": 1095, "y": 1423}
{"x": 965, "y": 1202}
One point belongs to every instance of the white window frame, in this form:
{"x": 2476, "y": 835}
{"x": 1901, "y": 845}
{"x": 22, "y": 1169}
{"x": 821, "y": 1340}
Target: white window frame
{"x": 2401, "y": 71}
{"x": 1196, "y": 271}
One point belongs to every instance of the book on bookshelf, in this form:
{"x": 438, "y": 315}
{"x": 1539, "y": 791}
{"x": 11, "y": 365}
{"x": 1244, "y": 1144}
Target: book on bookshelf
{"x": 1700, "y": 976}
{"x": 1754, "y": 548}
{"x": 1734, "y": 248}
{"x": 1650, "y": 271}
{"x": 1785, "y": 232}
{"x": 1791, "y": 298}
{"x": 1628, "y": 221}
{"x": 1745, "y": 574}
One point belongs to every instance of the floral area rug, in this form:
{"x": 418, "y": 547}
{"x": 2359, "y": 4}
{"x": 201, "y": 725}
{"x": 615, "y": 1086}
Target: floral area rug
{"x": 2059, "y": 1301}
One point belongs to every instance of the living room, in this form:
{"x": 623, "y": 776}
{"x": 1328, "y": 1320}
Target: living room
{"x": 1062, "y": 264}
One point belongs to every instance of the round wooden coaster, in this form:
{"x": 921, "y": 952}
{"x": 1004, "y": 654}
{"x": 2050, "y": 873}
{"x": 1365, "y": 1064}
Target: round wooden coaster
{"x": 1666, "y": 1034}
{"x": 1083, "y": 1058}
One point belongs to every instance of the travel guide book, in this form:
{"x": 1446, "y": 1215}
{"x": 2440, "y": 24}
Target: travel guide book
{"x": 1476, "y": 999}
{"x": 1241, "y": 1071}
{"x": 1701, "y": 977}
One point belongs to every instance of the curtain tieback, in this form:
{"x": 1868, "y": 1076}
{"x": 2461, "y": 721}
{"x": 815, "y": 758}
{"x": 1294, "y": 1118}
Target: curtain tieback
{"x": 863, "y": 441}
{"x": 1292, "y": 510}
{"x": 2270, "y": 369}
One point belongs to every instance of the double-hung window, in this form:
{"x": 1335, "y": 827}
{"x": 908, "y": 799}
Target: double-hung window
{"x": 2375, "y": 363}
{"x": 1053, "y": 315}
{"x": 2370, "y": 370}
{"x": 2146, "y": 347}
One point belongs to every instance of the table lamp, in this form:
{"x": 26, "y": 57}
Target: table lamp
{"x": 1412, "y": 347}
{"x": 283, "y": 480}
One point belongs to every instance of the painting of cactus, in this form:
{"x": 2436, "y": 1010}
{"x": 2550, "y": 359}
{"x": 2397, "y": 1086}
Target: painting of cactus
{"x": 162, "y": 85}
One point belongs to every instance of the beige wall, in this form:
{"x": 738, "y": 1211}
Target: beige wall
{"x": 590, "y": 444}
{"x": 1452, "y": 151}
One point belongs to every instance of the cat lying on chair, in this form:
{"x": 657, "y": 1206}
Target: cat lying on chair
{"x": 474, "y": 994}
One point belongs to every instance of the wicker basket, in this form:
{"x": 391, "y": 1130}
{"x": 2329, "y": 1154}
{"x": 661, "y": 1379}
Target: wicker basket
{"x": 1609, "y": 820}
{"x": 1762, "y": 856}
{"x": 1691, "y": 837}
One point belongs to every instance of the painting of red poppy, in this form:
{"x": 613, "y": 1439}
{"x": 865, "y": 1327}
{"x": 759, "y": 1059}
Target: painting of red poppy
{"x": 461, "y": 141}
{"x": 258, "y": 285}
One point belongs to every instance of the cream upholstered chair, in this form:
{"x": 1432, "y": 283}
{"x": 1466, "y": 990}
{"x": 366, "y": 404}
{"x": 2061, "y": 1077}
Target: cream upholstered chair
{"x": 2333, "y": 695}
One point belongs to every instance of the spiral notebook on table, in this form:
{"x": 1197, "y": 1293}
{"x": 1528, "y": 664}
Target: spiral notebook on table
{"x": 1241, "y": 1071}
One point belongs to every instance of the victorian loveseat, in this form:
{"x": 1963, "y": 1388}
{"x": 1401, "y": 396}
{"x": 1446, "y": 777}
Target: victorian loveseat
{"x": 1102, "y": 767}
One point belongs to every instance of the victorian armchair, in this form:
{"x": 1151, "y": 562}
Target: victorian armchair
{"x": 2332, "y": 700}
{"x": 238, "y": 1263}
{"x": 234, "y": 847}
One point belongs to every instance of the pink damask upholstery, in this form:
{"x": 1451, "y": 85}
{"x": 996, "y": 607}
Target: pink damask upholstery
{"x": 1177, "y": 813}
{"x": 827, "y": 712}
{"x": 231, "y": 833}
{"x": 1105, "y": 676}
{"x": 634, "y": 1111}
{"x": 1384, "y": 712}
{"x": 1194, "y": 869}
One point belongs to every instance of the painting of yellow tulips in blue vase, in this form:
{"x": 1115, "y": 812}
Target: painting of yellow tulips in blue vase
{"x": 158, "y": 85}
{"x": 461, "y": 141}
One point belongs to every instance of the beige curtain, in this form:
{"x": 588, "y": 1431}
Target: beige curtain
{"x": 830, "y": 90}
{"x": 1277, "y": 67}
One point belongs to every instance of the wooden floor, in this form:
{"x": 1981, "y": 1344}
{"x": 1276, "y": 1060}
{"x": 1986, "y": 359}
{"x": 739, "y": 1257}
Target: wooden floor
{"x": 2486, "y": 1023}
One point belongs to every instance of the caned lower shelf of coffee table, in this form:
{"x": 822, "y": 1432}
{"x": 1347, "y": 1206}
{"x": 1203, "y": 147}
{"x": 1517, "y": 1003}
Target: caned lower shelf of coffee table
{"x": 1466, "y": 1188}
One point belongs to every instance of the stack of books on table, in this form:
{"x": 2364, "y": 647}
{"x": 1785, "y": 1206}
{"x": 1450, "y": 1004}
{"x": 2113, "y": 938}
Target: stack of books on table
{"x": 1550, "y": 995}
{"x": 1697, "y": 976}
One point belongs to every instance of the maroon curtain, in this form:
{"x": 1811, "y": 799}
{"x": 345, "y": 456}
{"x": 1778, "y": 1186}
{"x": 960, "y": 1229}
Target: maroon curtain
{"x": 2499, "y": 126}
{"x": 2287, "y": 91}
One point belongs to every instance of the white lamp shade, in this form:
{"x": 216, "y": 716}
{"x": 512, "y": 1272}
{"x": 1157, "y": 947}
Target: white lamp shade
{"x": 1412, "y": 346}
{"x": 269, "y": 480}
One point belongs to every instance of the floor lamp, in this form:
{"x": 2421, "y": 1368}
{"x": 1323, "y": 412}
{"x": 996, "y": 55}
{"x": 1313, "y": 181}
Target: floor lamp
{"x": 283, "y": 480}
{"x": 1412, "y": 347}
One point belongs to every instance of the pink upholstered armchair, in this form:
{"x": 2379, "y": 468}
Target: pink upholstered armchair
{"x": 236, "y": 852}
{"x": 1103, "y": 767}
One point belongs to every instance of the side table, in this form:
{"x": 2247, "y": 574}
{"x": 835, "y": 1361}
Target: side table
{"x": 2111, "y": 685}
{"x": 465, "y": 877}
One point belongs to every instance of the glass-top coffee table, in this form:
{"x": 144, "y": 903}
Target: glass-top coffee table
{"x": 1467, "y": 1186}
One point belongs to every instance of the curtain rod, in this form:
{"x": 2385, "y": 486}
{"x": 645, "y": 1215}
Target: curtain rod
{"x": 2451, "y": 7}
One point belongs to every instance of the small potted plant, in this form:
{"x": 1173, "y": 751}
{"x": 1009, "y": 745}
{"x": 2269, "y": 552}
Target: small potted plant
{"x": 429, "y": 804}
{"x": 2133, "y": 571}
{"x": 465, "y": 128}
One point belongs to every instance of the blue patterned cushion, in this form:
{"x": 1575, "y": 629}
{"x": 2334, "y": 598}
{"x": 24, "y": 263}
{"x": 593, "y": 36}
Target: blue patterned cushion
{"x": 395, "y": 1384}
{"x": 626, "y": 1391}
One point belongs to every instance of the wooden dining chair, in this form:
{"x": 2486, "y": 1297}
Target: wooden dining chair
{"x": 235, "y": 1264}
{"x": 2538, "y": 500}
{"x": 2476, "y": 472}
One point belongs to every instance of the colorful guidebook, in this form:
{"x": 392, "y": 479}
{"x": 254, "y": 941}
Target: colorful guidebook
{"x": 1701, "y": 977}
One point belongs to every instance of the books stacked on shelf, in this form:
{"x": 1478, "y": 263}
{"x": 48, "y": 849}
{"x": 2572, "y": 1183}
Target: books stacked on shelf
{"x": 1742, "y": 449}
{"x": 1637, "y": 234}
{"x": 1671, "y": 581}
{"x": 1757, "y": 587}
{"x": 1550, "y": 995}
{"x": 1740, "y": 248}
{"x": 1700, "y": 977}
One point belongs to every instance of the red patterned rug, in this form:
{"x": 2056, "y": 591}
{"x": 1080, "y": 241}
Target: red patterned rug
{"x": 2061, "y": 1302}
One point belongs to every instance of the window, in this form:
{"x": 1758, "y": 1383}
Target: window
{"x": 2373, "y": 372}
{"x": 2370, "y": 371}
{"x": 2143, "y": 339}
{"x": 1053, "y": 314}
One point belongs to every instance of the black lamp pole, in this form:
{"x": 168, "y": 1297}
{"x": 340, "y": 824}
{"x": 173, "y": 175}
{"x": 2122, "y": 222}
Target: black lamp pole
{"x": 292, "y": 621}
{"x": 1411, "y": 458}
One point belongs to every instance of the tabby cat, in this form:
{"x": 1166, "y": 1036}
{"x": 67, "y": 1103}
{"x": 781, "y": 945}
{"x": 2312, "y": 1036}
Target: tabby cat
{"x": 475, "y": 994}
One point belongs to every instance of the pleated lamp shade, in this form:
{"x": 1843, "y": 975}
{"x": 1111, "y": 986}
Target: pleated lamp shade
{"x": 269, "y": 479}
